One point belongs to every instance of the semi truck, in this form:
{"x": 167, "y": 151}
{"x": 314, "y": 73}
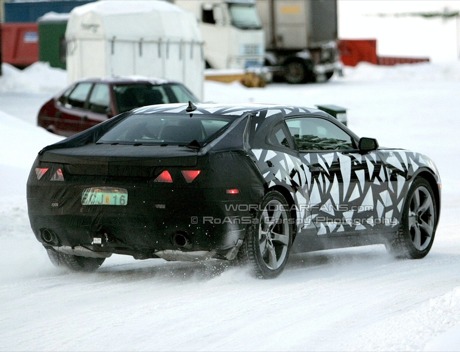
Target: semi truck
{"x": 301, "y": 38}
{"x": 232, "y": 32}
{"x": 296, "y": 39}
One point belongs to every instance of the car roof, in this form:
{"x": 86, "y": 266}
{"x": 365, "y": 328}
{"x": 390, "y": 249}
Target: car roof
{"x": 266, "y": 110}
{"x": 273, "y": 112}
{"x": 125, "y": 80}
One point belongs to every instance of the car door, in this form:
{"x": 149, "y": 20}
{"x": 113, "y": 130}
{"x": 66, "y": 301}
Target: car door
{"x": 347, "y": 190}
{"x": 73, "y": 110}
{"x": 99, "y": 107}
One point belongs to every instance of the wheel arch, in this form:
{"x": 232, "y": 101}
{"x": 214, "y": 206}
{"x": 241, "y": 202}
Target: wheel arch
{"x": 51, "y": 129}
{"x": 431, "y": 179}
{"x": 291, "y": 203}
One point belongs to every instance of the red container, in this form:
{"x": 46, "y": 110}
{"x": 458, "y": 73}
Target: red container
{"x": 396, "y": 60}
{"x": 354, "y": 51}
{"x": 19, "y": 43}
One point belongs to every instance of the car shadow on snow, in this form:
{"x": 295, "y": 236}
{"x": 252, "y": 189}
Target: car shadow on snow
{"x": 159, "y": 268}
{"x": 347, "y": 261}
{"x": 342, "y": 259}
{"x": 339, "y": 257}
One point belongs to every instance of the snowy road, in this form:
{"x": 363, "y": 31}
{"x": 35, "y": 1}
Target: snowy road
{"x": 343, "y": 300}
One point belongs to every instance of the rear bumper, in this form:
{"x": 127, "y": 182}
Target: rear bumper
{"x": 156, "y": 219}
{"x": 173, "y": 214}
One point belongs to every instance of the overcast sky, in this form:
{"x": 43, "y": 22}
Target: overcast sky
{"x": 394, "y": 6}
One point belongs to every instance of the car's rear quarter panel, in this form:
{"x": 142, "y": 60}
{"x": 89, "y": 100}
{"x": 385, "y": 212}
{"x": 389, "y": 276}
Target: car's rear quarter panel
{"x": 155, "y": 211}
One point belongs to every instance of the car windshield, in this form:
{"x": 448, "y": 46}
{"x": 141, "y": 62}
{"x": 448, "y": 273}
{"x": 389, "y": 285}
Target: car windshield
{"x": 167, "y": 129}
{"x": 130, "y": 96}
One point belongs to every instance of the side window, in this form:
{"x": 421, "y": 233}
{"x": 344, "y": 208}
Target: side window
{"x": 312, "y": 133}
{"x": 279, "y": 138}
{"x": 207, "y": 14}
{"x": 78, "y": 96}
{"x": 179, "y": 94}
{"x": 153, "y": 96}
{"x": 99, "y": 100}
{"x": 64, "y": 98}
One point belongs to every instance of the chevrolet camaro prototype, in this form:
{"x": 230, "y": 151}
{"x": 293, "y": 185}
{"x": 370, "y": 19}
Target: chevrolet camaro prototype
{"x": 249, "y": 184}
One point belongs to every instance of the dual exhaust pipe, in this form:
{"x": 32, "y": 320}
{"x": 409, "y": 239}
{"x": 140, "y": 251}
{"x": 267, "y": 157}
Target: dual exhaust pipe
{"x": 181, "y": 239}
{"x": 49, "y": 237}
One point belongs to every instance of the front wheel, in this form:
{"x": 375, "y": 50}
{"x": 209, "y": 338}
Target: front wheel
{"x": 74, "y": 262}
{"x": 268, "y": 241}
{"x": 418, "y": 224}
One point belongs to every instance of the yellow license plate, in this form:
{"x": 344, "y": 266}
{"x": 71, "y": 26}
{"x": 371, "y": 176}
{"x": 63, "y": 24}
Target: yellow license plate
{"x": 104, "y": 196}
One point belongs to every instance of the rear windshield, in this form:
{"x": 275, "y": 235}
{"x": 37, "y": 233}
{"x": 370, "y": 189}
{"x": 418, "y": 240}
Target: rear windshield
{"x": 166, "y": 129}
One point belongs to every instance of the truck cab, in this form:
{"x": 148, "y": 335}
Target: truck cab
{"x": 232, "y": 32}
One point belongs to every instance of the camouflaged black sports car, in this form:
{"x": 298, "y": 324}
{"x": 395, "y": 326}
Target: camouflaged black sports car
{"x": 249, "y": 184}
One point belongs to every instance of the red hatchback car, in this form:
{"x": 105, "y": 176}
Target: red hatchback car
{"x": 88, "y": 102}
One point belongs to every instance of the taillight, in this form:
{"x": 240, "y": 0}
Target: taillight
{"x": 40, "y": 172}
{"x": 164, "y": 177}
{"x": 190, "y": 175}
{"x": 232, "y": 191}
{"x": 58, "y": 175}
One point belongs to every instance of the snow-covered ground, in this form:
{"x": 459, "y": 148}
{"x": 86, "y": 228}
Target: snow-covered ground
{"x": 344, "y": 300}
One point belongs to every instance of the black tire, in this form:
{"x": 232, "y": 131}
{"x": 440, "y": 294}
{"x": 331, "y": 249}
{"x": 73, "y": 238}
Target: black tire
{"x": 329, "y": 75}
{"x": 418, "y": 223}
{"x": 73, "y": 262}
{"x": 296, "y": 72}
{"x": 268, "y": 241}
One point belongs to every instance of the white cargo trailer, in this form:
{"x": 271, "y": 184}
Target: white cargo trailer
{"x": 136, "y": 37}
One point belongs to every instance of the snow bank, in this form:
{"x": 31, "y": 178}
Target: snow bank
{"x": 19, "y": 145}
{"x": 405, "y": 72}
{"x": 37, "y": 78}
{"x": 21, "y": 141}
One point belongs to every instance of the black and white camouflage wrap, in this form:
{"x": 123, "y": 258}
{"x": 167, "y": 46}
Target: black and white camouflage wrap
{"x": 345, "y": 191}
{"x": 335, "y": 192}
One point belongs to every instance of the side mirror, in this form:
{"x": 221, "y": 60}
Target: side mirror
{"x": 367, "y": 144}
{"x": 109, "y": 112}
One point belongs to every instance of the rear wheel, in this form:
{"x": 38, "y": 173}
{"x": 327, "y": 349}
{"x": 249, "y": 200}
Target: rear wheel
{"x": 329, "y": 75}
{"x": 73, "y": 262}
{"x": 268, "y": 241}
{"x": 296, "y": 72}
{"x": 418, "y": 224}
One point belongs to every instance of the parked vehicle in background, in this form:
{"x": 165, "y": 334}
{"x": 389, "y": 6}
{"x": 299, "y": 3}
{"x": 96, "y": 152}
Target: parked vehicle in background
{"x": 301, "y": 38}
{"x": 87, "y": 102}
{"x": 296, "y": 38}
{"x": 231, "y": 30}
